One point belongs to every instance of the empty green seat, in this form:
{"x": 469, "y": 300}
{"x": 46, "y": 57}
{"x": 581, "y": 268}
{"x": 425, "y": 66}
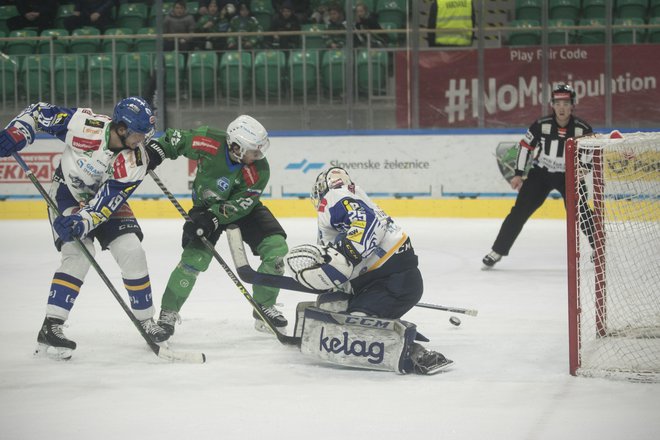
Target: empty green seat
{"x": 262, "y": 10}
{"x": 631, "y": 33}
{"x": 132, "y": 16}
{"x": 69, "y": 75}
{"x": 202, "y": 73}
{"x": 8, "y": 77}
{"x": 36, "y": 77}
{"x": 392, "y": 39}
{"x": 371, "y": 72}
{"x": 595, "y": 8}
{"x": 528, "y": 9}
{"x": 523, "y": 34}
{"x": 303, "y": 71}
{"x": 167, "y": 7}
{"x": 63, "y": 11}
{"x": 174, "y": 64}
{"x": 332, "y": 72}
{"x": 86, "y": 44}
{"x": 135, "y": 73}
{"x": 654, "y": 8}
{"x": 24, "y": 44}
{"x": 269, "y": 69}
{"x": 654, "y": 34}
{"x": 143, "y": 44}
{"x": 559, "y": 36}
{"x": 58, "y": 45}
{"x": 6, "y": 12}
{"x": 315, "y": 39}
{"x": 236, "y": 74}
{"x": 564, "y": 9}
{"x": 591, "y": 36}
{"x": 101, "y": 75}
{"x": 631, "y": 8}
{"x": 122, "y": 44}
{"x": 392, "y": 11}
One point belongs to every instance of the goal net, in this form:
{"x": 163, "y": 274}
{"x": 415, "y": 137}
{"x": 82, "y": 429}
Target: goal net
{"x": 613, "y": 224}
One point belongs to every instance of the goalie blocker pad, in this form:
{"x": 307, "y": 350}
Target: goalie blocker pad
{"x": 358, "y": 341}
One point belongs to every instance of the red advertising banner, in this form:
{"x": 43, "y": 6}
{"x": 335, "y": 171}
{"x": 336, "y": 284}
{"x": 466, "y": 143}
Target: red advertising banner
{"x": 43, "y": 166}
{"x": 448, "y": 87}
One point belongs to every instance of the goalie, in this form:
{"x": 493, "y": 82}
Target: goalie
{"x": 363, "y": 251}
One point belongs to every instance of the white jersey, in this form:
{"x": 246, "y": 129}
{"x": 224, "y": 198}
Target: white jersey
{"x": 96, "y": 177}
{"x": 347, "y": 213}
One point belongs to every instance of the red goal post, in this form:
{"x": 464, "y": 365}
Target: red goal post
{"x": 614, "y": 280}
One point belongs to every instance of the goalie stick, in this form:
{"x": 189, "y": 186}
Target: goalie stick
{"x": 284, "y": 339}
{"x": 161, "y": 352}
{"x": 249, "y": 275}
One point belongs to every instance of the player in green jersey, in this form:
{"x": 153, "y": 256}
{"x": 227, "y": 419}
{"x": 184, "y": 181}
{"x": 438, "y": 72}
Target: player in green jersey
{"x": 232, "y": 172}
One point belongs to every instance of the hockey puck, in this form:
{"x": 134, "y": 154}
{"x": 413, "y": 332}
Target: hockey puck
{"x": 455, "y": 321}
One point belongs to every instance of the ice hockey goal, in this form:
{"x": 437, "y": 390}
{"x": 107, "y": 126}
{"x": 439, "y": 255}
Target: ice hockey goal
{"x": 613, "y": 194}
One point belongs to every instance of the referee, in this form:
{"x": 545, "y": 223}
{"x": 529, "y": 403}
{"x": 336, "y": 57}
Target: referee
{"x": 548, "y": 136}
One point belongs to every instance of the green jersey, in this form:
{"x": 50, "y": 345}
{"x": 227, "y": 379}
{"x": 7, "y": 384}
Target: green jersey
{"x": 229, "y": 189}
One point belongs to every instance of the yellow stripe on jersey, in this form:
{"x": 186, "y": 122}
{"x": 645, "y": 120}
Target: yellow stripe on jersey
{"x": 140, "y": 287}
{"x": 389, "y": 253}
{"x": 66, "y": 284}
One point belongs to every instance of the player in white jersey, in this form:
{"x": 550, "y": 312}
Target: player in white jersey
{"x": 103, "y": 162}
{"x": 363, "y": 251}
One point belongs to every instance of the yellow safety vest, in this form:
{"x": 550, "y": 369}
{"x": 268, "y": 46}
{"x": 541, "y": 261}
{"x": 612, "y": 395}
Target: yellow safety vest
{"x": 454, "y": 14}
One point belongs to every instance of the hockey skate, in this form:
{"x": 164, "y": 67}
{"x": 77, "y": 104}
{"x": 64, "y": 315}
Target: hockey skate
{"x": 276, "y": 317}
{"x": 154, "y": 331}
{"x": 51, "y": 337}
{"x": 428, "y": 362}
{"x": 490, "y": 259}
{"x": 167, "y": 320}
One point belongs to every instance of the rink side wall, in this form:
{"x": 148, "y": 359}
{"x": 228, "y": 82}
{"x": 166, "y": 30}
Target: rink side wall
{"x": 429, "y": 173}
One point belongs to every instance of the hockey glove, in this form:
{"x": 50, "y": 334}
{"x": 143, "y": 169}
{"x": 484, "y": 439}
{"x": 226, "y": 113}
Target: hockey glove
{"x": 155, "y": 153}
{"x": 71, "y": 227}
{"x": 318, "y": 267}
{"x": 202, "y": 224}
{"x": 11, "y": 141}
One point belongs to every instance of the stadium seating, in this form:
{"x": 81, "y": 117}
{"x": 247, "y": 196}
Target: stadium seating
{"x": 523, "y": 35}
{"x": 174, "y": 72}
{"x": 559, "y": 36}
{"x": 132, "y": 16}
{"x": 269, "y": 73}
{"x": 8, "y": 77}
{"x": 36, "y": 77}
{"x": 85, "y": 45}
{"x": 145, "y": 44}
{"x": 262, "y": 10}
{"x": 654, "y": 8}
{"x": 628, "y": 35}
{"x": 591, "y": 36}
{"x": 101, "y": 75}
{"x": 371, "y": 64}
{"x": 24, "y": 44}
{"x": 564, "y": 9}
{"x": 135, "y": 73}
{"x": 69, "y": 74}
{"x": 6, "y": 12}
{"x": 595, "y": 8}
{"x": 528, "y": 9}
{"x": 631, "y": 8}
{"x": 332, "y": 72}
{"x": 121, "y": 45}
{"x": 59, "y": 45}
{"x": 151, "y": 21}
{"x": 303, "y": 71}
{"x": 192, "y": 7}
{"x": 63, "y": 11}
{"x": 236, "y": 74}
{"x": 202, "y": 73}
{"x": 315, "y": 40}
{"x": 654, "y": 34}
{"x": 391, "y": 39}
{"x": 392, "y": 11}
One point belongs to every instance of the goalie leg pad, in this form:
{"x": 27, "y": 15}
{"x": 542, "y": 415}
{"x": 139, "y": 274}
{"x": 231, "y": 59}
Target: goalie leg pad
{"x": 357, "y": 341}
{"x": 332, "y": 302}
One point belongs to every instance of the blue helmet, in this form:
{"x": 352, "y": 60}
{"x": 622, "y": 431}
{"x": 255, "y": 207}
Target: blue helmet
{"x": 136, "y": 114}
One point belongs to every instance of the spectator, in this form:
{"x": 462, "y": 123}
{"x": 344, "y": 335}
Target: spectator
{"x": 213, "y": 22}
{"x": 320, "y": 15}
{"x": 230, "y": 6}
{"x": 446, "y": 14}
{"x": 244, "y": 22}
{"x": 33, "y": 13}
{"x": 301, "y": 8}
{"x": 285, "y": 20}
{"x": 365, "y": 20}
{"x": 178, "y": 21}
{"x": 336, "y": 22}
{"x": 96, "y": 13}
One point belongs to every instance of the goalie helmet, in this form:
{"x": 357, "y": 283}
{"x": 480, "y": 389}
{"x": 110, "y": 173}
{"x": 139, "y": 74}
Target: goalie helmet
{"x": 334, "y": 177}
{"x": 563, "y": 91}
{"x": 136, "y": 115}
{"x": 249, "y": 135}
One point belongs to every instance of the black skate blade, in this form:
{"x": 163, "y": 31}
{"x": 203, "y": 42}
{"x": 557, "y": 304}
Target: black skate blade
{"x": 54, "y": 353}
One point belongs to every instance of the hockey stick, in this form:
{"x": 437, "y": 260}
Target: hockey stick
{"x": 251, "y": 276}
{"x": 161, "y": 352}
{"x": 284, "y": 339}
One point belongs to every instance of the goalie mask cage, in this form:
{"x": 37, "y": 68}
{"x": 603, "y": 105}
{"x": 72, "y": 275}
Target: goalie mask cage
{"x": 614, "y": 288}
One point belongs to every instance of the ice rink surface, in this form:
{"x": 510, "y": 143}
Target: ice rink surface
{"x": 510, "y": 378}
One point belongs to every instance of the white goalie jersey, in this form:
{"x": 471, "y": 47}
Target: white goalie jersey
{"x": 346, "y": 214}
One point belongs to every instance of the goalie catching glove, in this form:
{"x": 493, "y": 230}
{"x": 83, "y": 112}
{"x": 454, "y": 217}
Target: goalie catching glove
{"x": 318, "y": 267}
